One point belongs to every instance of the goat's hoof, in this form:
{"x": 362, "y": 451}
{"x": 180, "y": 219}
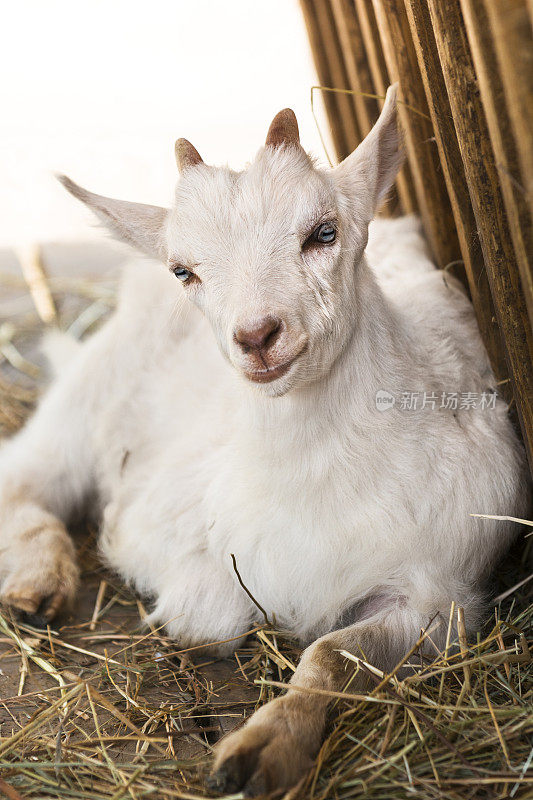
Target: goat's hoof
{"x": 40, "y": 605}
{"x": 268, "y": 755}
{"x": 40, "y": 584}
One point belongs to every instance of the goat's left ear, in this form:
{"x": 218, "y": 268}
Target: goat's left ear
{"x": 137, "y": 224}
{"x": 369, "y": 172}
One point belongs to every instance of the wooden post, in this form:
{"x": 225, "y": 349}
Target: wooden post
{"x": 402, "y": 64}
{"x": 381, "y": 80}
{"x": 483, "y": 184}
{"x": 454, "y": 174}
{"x": 502, "y": 138}
{"x": 32, "y": 266}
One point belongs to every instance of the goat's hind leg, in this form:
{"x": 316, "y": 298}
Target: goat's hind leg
{"x": 45, "y": 471}
{"x": 279, "y": 742}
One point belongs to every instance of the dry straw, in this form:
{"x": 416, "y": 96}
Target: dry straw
{"x": 142, "y": 723}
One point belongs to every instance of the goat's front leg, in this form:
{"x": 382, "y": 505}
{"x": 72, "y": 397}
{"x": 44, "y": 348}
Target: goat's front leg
{"x": 38, "y": 570}
{"x": 41, "y": 472}
{"x": 46, "y": 471}
{"x": 277, "y": 745}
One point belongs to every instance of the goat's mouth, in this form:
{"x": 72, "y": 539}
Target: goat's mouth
{"x": 270, "y": 373}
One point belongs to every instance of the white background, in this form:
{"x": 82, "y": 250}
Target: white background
{"x": 101, "y": 89}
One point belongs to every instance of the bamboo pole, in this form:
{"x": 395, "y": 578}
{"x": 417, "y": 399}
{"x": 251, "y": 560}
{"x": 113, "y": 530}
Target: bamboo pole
{"x": 483, "y": 183}
{"x": 357, "y": 68}
{"x": 381, "y": 80}
{"x": 454, "y": 174}
{"x": 502, "y": 138}
{"x": 366, "y": 104}
{"x": 322, "y": 67}
{"x": 370, "y": 34}
{"x": 510, "y": 26}
{"x": 433, "y": 201}
{"x": 333, "y": 54}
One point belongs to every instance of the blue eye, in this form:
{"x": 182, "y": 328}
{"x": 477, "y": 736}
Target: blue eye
{"x": 325, "y": 233}
{"x": 181, "y": 273}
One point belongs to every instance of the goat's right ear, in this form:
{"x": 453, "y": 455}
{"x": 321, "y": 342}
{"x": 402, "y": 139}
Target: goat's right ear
{"x": 369, "y": 172}
{"x": 137, "y": 224}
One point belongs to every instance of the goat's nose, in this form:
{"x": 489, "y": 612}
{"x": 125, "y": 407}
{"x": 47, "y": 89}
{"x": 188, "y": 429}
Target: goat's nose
{"x": 261, "y": 334}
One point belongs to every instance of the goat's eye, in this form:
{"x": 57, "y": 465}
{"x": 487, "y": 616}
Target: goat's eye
{"x": 182, "y": 273}
{"x": 325, "y": 233}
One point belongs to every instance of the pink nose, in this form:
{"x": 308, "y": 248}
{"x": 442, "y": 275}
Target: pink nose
{"x": 261, "y": 335}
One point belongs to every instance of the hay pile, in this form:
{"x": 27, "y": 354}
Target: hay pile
{"x": 97, "y": 707}
{"x": 114, "y": 712}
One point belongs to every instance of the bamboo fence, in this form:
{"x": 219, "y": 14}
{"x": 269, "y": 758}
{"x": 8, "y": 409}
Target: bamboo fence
{"x": 465, "y": 72}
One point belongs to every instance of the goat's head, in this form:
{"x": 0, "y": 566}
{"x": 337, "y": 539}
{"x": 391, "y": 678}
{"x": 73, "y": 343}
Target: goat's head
{"x": 269, "y": 254}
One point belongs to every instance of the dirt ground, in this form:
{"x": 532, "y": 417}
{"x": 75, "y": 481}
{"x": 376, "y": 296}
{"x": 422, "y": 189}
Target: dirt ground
{"x": 218, "y": 685}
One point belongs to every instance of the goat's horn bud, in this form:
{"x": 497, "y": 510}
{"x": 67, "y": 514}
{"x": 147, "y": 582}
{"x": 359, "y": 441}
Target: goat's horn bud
{"x": 283, "y": 129}
{"x": 186, "y": 155}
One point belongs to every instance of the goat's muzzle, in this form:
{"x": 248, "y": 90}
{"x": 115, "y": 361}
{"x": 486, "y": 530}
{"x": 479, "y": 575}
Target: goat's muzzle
{"x": 261, "y": 335}
{"x": 267, "y": 347}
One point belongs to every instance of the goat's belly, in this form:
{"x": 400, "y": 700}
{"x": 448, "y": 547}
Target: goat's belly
{"x": 306, "y": 559}
{"x": 302, "y": 580}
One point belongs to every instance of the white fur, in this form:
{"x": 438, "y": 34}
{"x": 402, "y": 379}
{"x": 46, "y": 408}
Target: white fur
{"x": 325, "y": 501}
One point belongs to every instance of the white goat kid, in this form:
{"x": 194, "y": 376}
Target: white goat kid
{"x": 339, "y": 514}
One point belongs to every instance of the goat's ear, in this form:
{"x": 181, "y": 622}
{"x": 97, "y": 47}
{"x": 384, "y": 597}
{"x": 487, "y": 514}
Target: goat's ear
{"x": 137, "y": 224}
{"x": 369, "y": 172}
{"x": 283, "y": 129}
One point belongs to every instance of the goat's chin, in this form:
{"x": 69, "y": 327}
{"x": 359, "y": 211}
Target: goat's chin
{"x": 276, "y": 388}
